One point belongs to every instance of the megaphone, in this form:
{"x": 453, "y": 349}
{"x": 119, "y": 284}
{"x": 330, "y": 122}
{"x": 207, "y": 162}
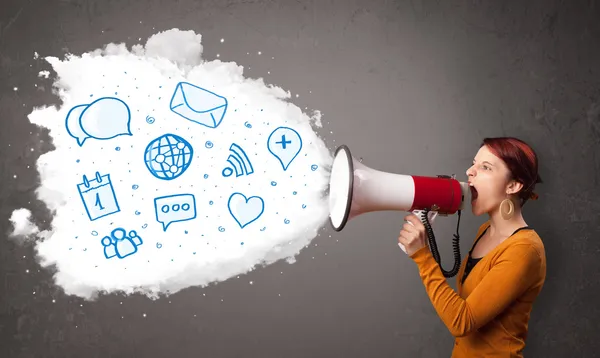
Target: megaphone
{"x": 356, "y": 189}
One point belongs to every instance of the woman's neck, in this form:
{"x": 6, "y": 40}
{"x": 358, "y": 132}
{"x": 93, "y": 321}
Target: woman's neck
{"x": 504, "y": 228}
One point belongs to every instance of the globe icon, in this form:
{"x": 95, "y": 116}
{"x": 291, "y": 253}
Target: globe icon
{"x": 168, "y": 156}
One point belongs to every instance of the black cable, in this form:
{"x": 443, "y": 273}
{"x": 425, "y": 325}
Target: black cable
{"x": 434, "y": 249}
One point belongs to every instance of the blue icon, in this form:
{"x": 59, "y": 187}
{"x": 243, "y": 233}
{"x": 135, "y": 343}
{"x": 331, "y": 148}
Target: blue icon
{"x": 119, "y": 244}
{"x": 103, "y": 119}
{"x": 168, "y": 156}
{"x": 98, "y": 196}
{"x": 245, "y": 210}
{"x": 239, "y": 161}
{"x": 174, "y": 208}
{"x": 198, "y": 105}
{"x": 285, "y": 144}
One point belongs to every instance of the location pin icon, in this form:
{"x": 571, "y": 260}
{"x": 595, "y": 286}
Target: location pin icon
{"x": 285, "y": 144}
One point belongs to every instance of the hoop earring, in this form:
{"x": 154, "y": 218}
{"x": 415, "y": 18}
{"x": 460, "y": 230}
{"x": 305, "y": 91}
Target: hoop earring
{"x": 507, "y": 213}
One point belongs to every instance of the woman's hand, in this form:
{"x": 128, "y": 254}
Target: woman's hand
{"x": 412, "y": 236}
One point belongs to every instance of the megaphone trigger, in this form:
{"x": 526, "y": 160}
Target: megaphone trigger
{"x": 431, "y": 215}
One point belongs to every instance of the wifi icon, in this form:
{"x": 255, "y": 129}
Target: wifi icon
{"x": 238, "y": 161}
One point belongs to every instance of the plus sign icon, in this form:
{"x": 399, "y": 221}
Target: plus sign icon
{"x": 285, "y": 144}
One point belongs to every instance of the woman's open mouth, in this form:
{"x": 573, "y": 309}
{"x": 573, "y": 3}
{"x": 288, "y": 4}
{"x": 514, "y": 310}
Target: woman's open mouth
{"x": 473, "y": 193}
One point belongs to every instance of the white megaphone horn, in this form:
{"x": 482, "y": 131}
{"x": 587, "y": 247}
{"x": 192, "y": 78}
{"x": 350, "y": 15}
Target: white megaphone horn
{"x": 355, "y": 189}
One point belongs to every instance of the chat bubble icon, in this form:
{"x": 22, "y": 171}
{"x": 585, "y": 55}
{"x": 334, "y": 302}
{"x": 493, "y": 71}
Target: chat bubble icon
{"x": 174, "y": 208}
{"x": 73, "y": 126}
{"x": 103, "y": 119}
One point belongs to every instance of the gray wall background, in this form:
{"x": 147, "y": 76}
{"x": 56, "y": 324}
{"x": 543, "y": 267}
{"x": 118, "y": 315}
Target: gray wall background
{"x": 412, "y": 87}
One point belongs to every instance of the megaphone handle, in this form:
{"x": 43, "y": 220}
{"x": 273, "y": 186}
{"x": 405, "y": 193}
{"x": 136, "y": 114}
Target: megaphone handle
{"x": 420, "y": 213}
{"x": 403, "y": 248}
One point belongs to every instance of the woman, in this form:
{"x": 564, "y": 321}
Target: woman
{"x": 506, "y": 267}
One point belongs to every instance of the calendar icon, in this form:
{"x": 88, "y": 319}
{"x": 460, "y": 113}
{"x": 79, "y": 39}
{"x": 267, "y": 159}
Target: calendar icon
{"x": 98, "y": 196}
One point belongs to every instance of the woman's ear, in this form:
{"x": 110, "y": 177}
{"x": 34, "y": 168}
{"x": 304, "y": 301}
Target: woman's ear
{"x": 514, "y": 187}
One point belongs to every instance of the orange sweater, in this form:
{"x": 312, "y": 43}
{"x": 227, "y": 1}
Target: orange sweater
{"x": 489, "y": 315}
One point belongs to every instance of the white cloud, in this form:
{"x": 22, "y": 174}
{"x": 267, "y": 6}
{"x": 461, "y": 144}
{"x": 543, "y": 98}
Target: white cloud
{"x": 209, "y": 248}
{"x": 22, "y": 225}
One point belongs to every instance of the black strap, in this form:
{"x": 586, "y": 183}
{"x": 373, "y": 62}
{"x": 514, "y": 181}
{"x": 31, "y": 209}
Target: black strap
{"x": 471, "y": 262}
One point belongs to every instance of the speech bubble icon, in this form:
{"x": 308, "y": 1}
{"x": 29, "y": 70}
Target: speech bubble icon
{"x": 174, "y": 208}
{"x": 106, "y": 118}
{"x": 73, "y": 126}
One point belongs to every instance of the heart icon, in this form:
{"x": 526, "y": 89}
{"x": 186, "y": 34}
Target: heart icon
{"x": 245, "y": 210}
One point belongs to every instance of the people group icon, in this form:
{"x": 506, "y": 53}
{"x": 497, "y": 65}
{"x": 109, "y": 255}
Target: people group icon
{"x": 121, "y": 245}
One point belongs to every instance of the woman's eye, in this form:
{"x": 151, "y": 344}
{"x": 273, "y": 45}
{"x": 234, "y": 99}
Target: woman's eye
{"x": 482, "y": 166}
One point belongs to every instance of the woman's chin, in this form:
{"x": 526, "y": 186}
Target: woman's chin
{"x": 476, "y": 209}
{"x": 476, "y": 213}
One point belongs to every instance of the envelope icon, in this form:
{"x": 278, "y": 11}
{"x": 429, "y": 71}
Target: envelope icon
{"x": 198, "y": 104}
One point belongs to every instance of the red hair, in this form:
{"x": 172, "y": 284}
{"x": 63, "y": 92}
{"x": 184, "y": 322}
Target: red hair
{"x": 521, "y": 160}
